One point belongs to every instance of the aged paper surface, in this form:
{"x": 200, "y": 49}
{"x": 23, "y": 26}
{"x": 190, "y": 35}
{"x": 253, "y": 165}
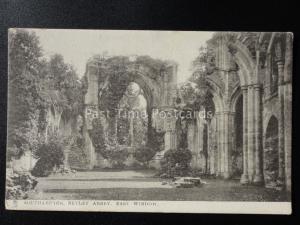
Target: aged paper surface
{"x": 149, "y": 121}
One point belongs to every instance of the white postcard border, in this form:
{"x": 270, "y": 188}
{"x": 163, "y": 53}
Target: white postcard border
{"x": 284, "y": 208}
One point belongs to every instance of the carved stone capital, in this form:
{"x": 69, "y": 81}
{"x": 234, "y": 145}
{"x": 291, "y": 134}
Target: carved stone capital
{"x": 244, "y": 88}
{"x": 231, "y": 48}
{"x": 256, "y": 86}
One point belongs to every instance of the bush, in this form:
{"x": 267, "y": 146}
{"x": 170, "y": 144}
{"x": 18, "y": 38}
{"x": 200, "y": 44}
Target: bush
{"x": 176, "y": 162}
{"x": 117, "y": 156}
{"x": 50, "y": 154}
{"x": 144, "y": 154}
{"x": 19, "y": 184}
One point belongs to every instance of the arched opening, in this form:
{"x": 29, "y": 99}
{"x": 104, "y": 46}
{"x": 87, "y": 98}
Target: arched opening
{"x": 271, "y": 153}
{"x": 132, "y": 118}
{"x": 201, "y": 136}
{"x": 237, "y": 153}
{"x": 124, "y": 127}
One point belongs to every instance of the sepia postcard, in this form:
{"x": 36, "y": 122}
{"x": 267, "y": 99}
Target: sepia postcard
{"x": 149, "y": 121}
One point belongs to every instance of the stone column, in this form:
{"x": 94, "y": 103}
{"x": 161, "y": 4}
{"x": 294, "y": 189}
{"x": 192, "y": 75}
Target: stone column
{"x": 227, "y": 143}
{"x": 279, "y": 61}
{"x": 198, "y": 141}
{"x": 170, "y": 139}
{"x": 191, "y": 144}
{"x": 288, "y": 108}
{"x": 280, "y": 124}
{"x": 213, "y": 144}
{"x": 209, "y": 152}
{"x": 169, "y": 127}
{"x": 258, "y": 178}
{"x": 250, "y": 119}
{"x": 244, "y": 178}
{"x": 219, "y": 145}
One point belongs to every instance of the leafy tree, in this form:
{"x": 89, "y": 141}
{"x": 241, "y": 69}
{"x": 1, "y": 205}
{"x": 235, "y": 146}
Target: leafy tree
{"x": 24, "y": 100}
{"x": 32, "y": 79}
{"x": 65, "y": 80}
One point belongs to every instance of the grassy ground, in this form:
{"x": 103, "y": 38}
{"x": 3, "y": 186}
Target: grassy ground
{"x": 187, "y": 194}
{"x": 129, "y": 185}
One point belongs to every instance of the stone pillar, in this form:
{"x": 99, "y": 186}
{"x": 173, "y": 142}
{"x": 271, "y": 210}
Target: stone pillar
{"x": 191, "y": 133}
{"x": 280, "y": 124}
{"x": 197, "y": 142}
{"x": 170, "y": 135}
{"x": 170, "y": 139}
{"x": 227, "y": 118}
{"x": 213, "y": 158}
{"x": 258, "y": 178}
{"x": 288, "y": 134}
{"x": 66, "y": 159}
{"x": 244, "y": 178}
{"x": 131, "y": 134}
{"x": 222, "y": 136}
{"x": 288, "y": 108}
{"x": 209, "y": 149}
{"x": 219, "y": 144}
{"x": 200, "y": 137}
{"x": 250, "y": 133}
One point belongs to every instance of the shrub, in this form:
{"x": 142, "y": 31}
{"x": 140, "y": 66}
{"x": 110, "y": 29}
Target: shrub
{"x": 176, "y": 162}
{"x": 117, "y": 156}
{"x": 18, "y": 185}
{"x": 49, "y": 154}
{"x": 97, "y": 135}
{"x": 155, "y": 139}
{"x": 144, "y": 154}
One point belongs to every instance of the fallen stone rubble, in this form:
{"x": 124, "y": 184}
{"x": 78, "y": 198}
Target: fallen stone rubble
{"x": 185, "y": 182}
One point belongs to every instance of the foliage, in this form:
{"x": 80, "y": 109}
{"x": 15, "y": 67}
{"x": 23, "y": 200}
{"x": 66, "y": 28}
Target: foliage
{"x": 140, "y": 131}
{"x": 49, "y": 154}
{"x": 24, "y": 100}
{"x": 205, "y": 61}
{"x": 65, "y": 80}
{"x": 32, "y": 80}
{"x": 117, "y": 70}
{"x": 156, "y": 65}
{"x": 155, "y": 139}
{"x": 195, "y": 93}
{"x": 118, "y": 82}
{"x": 23, "y": 138}
{"x": 19, "y": 184}
{"x": 176, "y": 162}
{"x": 98, "y": 137}
{"x": 117, "y": 156}
{"x": 144, "y": 154}
{"x": 107, "y": 146}
{"x": 191, "y": 95}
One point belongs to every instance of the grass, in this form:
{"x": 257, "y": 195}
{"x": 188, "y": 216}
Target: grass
{"x": 216, "y": 190}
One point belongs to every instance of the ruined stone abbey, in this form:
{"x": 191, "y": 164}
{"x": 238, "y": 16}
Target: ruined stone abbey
{"x": 249, "y": 135}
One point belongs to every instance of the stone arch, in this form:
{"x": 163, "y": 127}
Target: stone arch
{"x": 52, "y": 110}
{"x": 158, "y": 90}
{"x": 236, "y": 94}
{"x": 215, "y": 90}
{"x": 150, "y": 88}
{"x": 242, "y": 56}
{"x": 66, "y": 124}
